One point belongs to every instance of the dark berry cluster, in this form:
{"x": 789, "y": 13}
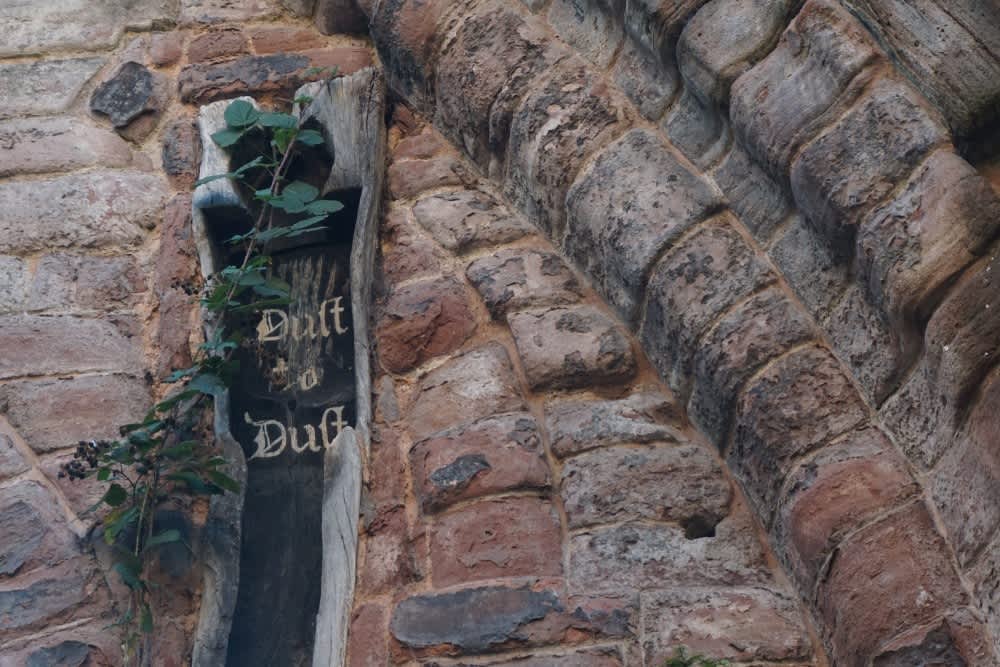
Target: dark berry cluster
{"x": 85, "y": 458}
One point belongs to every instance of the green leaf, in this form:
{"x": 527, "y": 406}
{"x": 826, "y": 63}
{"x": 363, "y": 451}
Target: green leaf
{"x": 118, "y": 520}
{"x": 224, "y": 481}
{"x": 240, "y": 114}
{"x": 283, "y": 138}
{"x": 226, "y": 138}
{"x": 301, "y": 191}
{"x": 309, "y": 137}
{"x": 146, "y": 619}
{"x": 206, "y": 383}
{"x": 284, "y": 120}
{"x": 303, "y": 100}
{"x": 166, "y": 537}
{"x": 104, "y": 474}
{"x": 256, "y": 162}
{"x": 209, "y": 179}
{"x": 324, "y": 206}
{"x": 179, "y": 451}
{"x": 115, "y": 495}
{"x": 129, "y": 576}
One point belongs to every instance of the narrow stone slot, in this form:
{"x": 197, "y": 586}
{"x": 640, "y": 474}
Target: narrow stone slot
{"x": 294, "y": 394}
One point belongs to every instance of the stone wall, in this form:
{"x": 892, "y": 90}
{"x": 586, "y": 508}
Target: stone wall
{"x": 773, "y": 197}
{"x": 686, "y": 330}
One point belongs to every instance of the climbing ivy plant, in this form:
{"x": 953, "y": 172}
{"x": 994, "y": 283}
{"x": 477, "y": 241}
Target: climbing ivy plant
{"x": 170, "y": 454}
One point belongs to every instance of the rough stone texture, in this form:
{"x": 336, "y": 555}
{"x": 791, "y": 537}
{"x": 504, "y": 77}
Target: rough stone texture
{"x": 220, "y": 43}
{"x": 35, "y": 533}
{"x": 698, "y": 130}
{"x": 680, "y": 483}
{"x": 940, "y": 223}
{"x": 58, "y": 144}
{"x": 950, "y": 50}
{"x": 15, "y": 276}
{"x": 864, "y": 338}
{"x": 985, "y": 577}
{"x": 796, "y": 405}
{"x": 49, "y": 597}
{"x": 54, "y": 414}
{"x": 496, "y": 55}
{"x": 965, "y": 485}
{"x": 578, "y": 426}
{"x": 89, "y": 210}
{"x": 44, "y": 86}
{"x": 280, "y": 39}
{"x": 11, "y": 461}
{"x": 571, "y": 347}
{"x": 889, "y": 577}
{"x": 745, "y": 624}
{"x": 760, "y": 202}
{"x": 421, "y": 321}
{"x": 557, "y": 125}
{"x": 38, "y": 27}
{"x": 656, "y": 25}
{"x": 219, "y": 11}
{"x": 592, "y": 27}
{"x": 957, "y": 639}
{"x": 746, "y": 338}
{"x": 165, "y": 48}
{"x": 633, "y": 202}
{"x": 368, "y": 636}
{"x": 38, "y": 345}
{"x": 490, "y": 618}
{"x": 409, "y": 178}
{"x": 476, "y": 384}
{"x": 181, "y": 153}
{"x": 648, "y": 85}
{"x": 126, "y": 95}
{"x": 633, "y": 556}
{"x": 504, "y": 537}
{"x": 963, "y": 332}
{"x": 696, "y": 281}
{"x": 468, "y": 220}
{"x": 63, "y": 281}
{"x": 782, "y": 101}
{"x": 724, "y": 39}
{"x": 390, "y": 556}
{"x": 840, "y": 176}
{"x": 602, "y": 656}
{"x": 836, "y": 491}
{"x": 811, "y": 266}
{"x": 406, "y": 251}
{"x": 514, "y": 279}
{"x": 489, "y": 456}
{"x": 279, "y": 73}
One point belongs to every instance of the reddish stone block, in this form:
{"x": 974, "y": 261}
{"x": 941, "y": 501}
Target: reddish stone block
{"x": 165, "y": 48}
{"x": 579, "y": 426}
{"x": 495, "y": 56}
{"x": 505, "y": 537}
{"x": 888, "y": 578}
{"x": 216, "y": 44}
{"x": 578, "y": 346}
{"x": 939, "y": 224}
{"x": 784, "y": 100}
{"x": 181, "y": 154}
{"x": 489, "y": 456}
{"x": 469, "y": 220}
{"x": 601, "y": 656}
{"x": 473, "y": 385}
{"x": 682, "y": 484}
{"x": 406, "y": 252}
{"x": 558, "y": 125}
{"x": 634, "y": 201}
{"x": 368, "y": 636}
{"x": 489, "y": 619}
{"x": 176, "y": 260}
{"x": 422, "y": 321}
{"x": 52, "y": 414}
{"x": 386, "y": 487}
{"x": 747, "y": 337}
{"x": 840, "y": 176}
{"x": 517, "y": 278}
{"x": 421, "y": 146}
{"x": 843, "y": 486}
{"x": 281, "y": 39}
{"x": 698, "y": 280}
{"x": 742, "y": 624}
{"x": 800, "y": 403}
{"x": 957, "y": 639}
{"x": 409, "y": 178}
{"x": 177, "y": 318}
{"x": 642, "y": 556}
{"x": 389, "y": 561}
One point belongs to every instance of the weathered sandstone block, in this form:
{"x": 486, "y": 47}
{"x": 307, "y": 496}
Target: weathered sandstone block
{"x": 44, "y": 86}
{"x": 514, "y": 279}
{"x": 468, "y": 220}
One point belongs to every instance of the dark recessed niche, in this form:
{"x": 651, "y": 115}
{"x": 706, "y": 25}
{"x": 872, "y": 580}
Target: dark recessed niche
{"x": 294, "y": 393}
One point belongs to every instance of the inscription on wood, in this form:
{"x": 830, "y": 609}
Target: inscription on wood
{"x": 294, "y": 394}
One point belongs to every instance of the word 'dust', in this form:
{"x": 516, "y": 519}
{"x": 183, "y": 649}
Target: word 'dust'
{"x": 273, "y": 437}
